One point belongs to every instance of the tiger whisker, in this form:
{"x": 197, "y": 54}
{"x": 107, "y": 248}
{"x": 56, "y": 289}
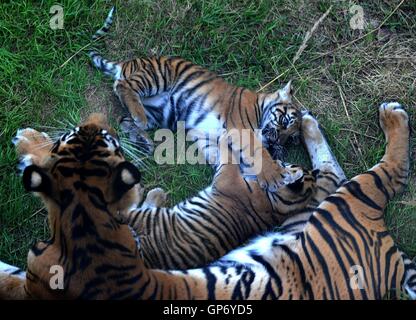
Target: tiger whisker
{"x": 134, "y": 148}
{"x": 136, "y": 152}
{"x": 131, "y": 155}
{"x": 133, "y": 144}
{"x": 135, "y": 159}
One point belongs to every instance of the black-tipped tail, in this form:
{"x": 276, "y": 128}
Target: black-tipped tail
{"x": 107, "y": 67}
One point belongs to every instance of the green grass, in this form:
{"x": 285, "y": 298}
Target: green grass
{"x": 248, "y": 42}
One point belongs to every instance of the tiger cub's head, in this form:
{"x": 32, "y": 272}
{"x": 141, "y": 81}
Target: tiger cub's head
{"x": 281, "y": 120}
{"x": 85, "y": 169}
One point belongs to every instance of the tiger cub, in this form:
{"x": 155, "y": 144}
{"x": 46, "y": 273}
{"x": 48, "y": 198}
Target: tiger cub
{"x": 313, "y": 255}
{"x": 161, "y": 91}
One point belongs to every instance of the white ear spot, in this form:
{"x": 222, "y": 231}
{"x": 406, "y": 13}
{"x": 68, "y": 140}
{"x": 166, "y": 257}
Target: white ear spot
{"x": 127, "y": 177}
{"x": 35, "y": 180}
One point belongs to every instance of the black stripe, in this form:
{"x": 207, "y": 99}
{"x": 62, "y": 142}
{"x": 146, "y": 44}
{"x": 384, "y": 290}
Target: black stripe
{"x": 211, "y": 281}
{"x": 354, "y": 188}
{"x": 322, "y": 262}
{"x": 379, "y": 183}
{"x": 273, "y": 276}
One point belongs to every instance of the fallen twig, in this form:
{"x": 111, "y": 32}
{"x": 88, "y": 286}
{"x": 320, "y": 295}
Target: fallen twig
{"x": 309, "y": 35}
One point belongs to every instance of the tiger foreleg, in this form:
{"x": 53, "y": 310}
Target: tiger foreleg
{"x": 255, "y": 160}
{"x": 131, "y": 101}
{"x": 155, "y": 198}
{"x": 330, "y": 174}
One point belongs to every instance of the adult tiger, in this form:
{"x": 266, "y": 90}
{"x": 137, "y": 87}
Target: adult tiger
{"x": 309, "y": 258}
{"x": 159, "y": 92}
{"x": 220, "y": 217}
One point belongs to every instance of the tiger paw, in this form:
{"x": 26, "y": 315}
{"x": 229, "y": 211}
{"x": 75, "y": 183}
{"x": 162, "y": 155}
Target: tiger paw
{"x": 310, "y": 129}
{"x": 271, "y": 178}
{"x": 278, "y": 175}
{"x": 137, "y": 137}
{"x": 393, "y": 116}
{"x": 156, "y": 198}
{"x": 32, "y": 147}
{"x": 292, "y": 174}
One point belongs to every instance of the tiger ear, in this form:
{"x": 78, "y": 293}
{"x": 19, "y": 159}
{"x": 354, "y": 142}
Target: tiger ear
{"x": 35, "y": 179}
{"x": 126, "y": 177}
{"x": 284, "y": 95}
{"x": 288, "y": 89}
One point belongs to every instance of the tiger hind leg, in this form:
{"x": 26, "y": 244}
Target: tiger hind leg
{"x": 132, "y": 102}
{"x": 329, "y": 174}
{"x": 362, "y": 200}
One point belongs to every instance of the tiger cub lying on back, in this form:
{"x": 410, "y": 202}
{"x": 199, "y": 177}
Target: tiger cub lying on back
{"x": 159, "y": 92}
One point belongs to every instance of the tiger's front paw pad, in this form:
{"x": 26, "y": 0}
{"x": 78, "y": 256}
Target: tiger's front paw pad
{"x": 310, "y": 127}
{"x": 392, "y": 115}
{"x": 156, "y": 198}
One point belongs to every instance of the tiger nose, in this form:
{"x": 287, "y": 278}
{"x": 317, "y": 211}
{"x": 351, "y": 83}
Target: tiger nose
{"x": 285, "y": 123}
